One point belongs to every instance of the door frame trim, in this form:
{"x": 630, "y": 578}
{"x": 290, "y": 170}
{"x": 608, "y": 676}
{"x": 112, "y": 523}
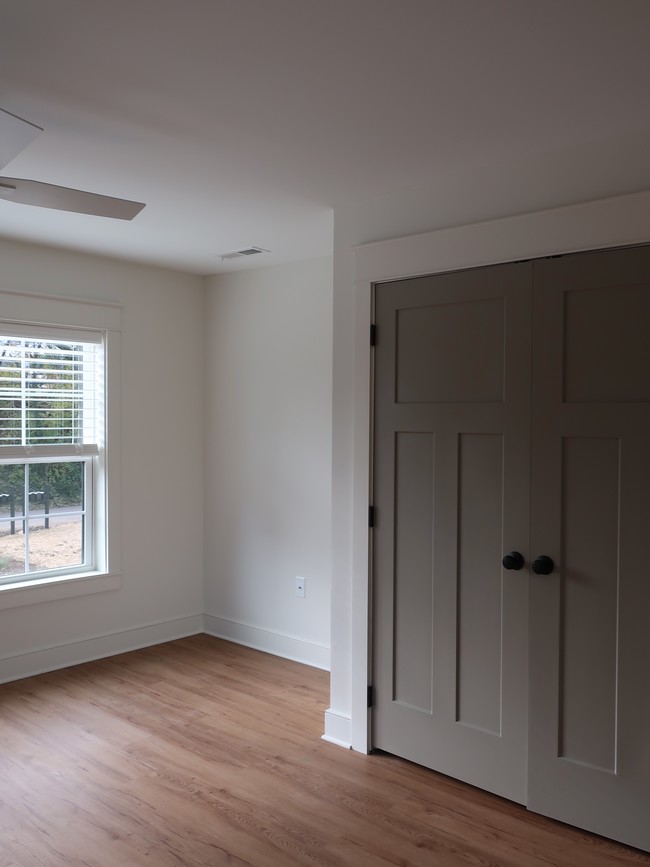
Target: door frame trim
{"x": 609, "y": 223}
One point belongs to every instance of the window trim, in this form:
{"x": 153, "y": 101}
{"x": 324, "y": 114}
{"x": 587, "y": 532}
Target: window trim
{"x": 33, "y": 311}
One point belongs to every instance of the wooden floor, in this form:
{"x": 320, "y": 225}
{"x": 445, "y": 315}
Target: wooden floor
{"x": 200, "y": 752}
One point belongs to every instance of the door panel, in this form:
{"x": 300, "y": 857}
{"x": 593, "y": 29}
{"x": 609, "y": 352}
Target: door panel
{"x": 450, "y": 491}
{"x": 589, "y": 601}
{"x": 589, "y": 758}
{"x": 426, "y": 340}
{"x": 479, "y": 616}
{"x": 605, "y": 354}
{"x": 413, "y": 600}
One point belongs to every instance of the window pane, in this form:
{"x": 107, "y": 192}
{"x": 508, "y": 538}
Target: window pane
{"x": 59, "y": 545}
{"x": 12, "y": 550}
{"x": 55, "y": 487}
{"x": 12, "y": 540}
{"x": 56, "y": 497}
{"x": 12, "y": 494}
{"x": 10, "y": 393}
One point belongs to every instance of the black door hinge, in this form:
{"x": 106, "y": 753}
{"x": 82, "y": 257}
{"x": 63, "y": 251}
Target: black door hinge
{"x": 371, "y": 696}
{"x": 371, "y": 516}
{"x": 373, "y": 335}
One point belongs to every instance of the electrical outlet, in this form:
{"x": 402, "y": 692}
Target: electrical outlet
{"x": 300, "y": 586}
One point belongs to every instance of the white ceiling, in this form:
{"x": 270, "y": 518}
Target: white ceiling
{"x": 245, "y": 122}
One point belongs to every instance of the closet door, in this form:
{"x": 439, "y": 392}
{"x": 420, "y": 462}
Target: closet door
{"x": 590, "y": 616}
{"x": 451, "y": 497}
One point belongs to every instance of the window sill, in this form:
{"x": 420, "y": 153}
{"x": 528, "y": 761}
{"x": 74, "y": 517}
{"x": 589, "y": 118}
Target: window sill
{"x": 59, "y": 587}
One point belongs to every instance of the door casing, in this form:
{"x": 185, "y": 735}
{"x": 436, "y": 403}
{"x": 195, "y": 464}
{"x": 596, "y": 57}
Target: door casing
{"x": 610, "y": 223}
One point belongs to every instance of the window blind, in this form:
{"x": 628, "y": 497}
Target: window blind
{"x": 50, "y": 393}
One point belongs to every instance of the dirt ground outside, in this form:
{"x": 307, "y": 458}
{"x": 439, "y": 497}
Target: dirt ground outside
{"x": 60, "y": 545}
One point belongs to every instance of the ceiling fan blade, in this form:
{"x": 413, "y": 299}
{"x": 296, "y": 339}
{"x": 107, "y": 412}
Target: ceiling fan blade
{"x": 15, "y": 135}
{"x": 65, "y": 199}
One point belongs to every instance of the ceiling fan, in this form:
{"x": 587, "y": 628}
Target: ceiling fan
{"x": 15, "y": 135}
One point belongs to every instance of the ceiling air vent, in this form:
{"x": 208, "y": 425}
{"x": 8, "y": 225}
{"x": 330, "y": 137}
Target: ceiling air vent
{"x": 245, "y": 251}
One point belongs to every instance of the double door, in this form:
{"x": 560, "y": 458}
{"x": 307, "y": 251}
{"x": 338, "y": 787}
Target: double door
{"x": 512, "y": 416}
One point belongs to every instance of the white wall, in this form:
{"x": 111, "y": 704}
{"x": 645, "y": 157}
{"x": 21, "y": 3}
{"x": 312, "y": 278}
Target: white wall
{"x": 610, "y": 222}
{"x": 160, "y": 596}
{"x": 268, "y": 457}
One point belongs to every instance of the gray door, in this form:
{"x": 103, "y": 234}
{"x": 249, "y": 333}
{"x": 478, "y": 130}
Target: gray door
{"x": 458, "y": 481}
{"x": 451, "y": 493}
{"x": 590, "y": 618}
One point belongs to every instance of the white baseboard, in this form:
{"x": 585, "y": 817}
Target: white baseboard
{"x": 73, "y": 653}
{"x": 286, "y": 646}
{"x": 338, "y": 729}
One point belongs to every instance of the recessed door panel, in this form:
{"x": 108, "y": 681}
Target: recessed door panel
{"x": 605, "y": 345}
{"x": 430, "y": 369}
{"x": 413, "y": 684}
{"x": 480, "y": 581}
{"x": 589, "y": 601}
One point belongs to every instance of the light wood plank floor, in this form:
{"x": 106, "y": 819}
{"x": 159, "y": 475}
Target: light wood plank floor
{"x": 200, "y": 752}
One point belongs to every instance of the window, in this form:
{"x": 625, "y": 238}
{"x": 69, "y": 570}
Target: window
{"x": 51, "y": 443}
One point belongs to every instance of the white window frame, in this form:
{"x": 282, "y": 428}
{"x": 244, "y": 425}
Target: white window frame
{"x": 32, "y": 312}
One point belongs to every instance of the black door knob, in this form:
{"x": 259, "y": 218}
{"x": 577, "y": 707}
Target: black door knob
{"x": 543, "y": 565}
{"x": 513, "y": 560}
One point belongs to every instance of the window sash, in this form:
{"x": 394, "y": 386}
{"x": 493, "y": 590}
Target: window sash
{"x": 50, "y": 395}
{"x": 22, "y": 526}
